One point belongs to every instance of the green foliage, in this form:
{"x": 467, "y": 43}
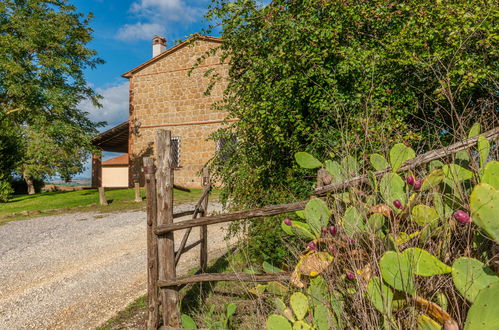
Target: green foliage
{"x": 328, "y": 76}
{"x": 317, "y": 215}
{"x": 470, "y": 276}
{"x": 456, "y": 173}
{"x": 187, "y": 322}
{"x": 278, "y": 322}
{"x": 353, "y": 221}
{"x": 433, "y": 179}
{"x": 299, "y": 304}
{"x": 396, "y": 270}
{"x": 378, "y": 162}
{"x": 392, "y": 188}
{"x": 43, "y": 55}
{"x": 484, "y": 313}
{"x": 483, "y": 203}
{"x": 306, "y": 160}
{"x": 399, "y": 154}
{"x": 380, "y": 295}
{"x": 483, "y": 150}
{"x": 423, "y": 214}
{"x": 491, "y": 174}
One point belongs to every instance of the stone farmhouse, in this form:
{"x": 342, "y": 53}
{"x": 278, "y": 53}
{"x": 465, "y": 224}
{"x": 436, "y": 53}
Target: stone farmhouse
{"x": 164, "y": 96}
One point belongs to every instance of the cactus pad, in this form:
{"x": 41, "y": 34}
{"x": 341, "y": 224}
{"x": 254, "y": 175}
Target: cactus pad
{"x": 399, "y": 154}
{"x": 470, "y": 276}
{"x": 299, "y": 304}
{"x": 491, "y": 174}
{"x": 378, "y": 162}
{"x": 306, "y": 160}
{"x": 484, "y": 203}
{"x": 423, "y": 214}
{"x": 484, "y": 313}
{"x": 278, "y": 322}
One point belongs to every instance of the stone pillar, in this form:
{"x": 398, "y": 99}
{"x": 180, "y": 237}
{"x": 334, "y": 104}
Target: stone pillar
{"x": 96, "y": 171}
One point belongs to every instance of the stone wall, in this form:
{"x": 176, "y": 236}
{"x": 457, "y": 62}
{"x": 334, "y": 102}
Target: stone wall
{"x": 164, "y": 96}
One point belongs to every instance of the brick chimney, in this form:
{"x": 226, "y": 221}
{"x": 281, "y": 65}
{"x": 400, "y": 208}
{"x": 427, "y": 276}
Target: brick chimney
{"x": 158, "y": 45}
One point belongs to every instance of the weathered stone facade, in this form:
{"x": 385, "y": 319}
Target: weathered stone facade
{"x": 164, "y": 96}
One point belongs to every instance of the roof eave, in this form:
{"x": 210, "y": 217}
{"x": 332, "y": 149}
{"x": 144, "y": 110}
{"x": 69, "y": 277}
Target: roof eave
{"x": 130, "y": 73}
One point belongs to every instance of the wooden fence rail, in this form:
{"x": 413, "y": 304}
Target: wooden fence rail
{"x": 162, "y": 259}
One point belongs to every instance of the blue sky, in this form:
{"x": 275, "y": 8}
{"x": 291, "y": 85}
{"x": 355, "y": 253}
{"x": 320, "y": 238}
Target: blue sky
{"x": 123, "y": 30}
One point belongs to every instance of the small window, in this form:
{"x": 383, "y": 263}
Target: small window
{"x": 226, "y": 147}
{"x": 175, "y": 151}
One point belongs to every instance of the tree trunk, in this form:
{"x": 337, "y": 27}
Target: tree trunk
{"x": 31, "y": 186}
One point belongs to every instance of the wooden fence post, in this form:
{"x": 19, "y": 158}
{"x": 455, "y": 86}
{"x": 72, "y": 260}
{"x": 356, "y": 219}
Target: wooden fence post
{"x": 203, "y": 230}
{"x": 138, "y": 198}
{"x": 102, "y": 196}
{"x": 152, "y": 246}
{"x": 166, "y": 252}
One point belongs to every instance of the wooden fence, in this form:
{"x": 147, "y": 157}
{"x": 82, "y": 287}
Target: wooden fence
{"x": 163, "y": 283}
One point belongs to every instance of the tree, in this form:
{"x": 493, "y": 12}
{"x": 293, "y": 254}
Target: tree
{"x": 345, "y": 76}
{"x": 43, "y": 53}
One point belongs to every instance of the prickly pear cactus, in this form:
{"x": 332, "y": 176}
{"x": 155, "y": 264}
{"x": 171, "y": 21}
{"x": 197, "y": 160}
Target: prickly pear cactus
{"x": 317, "y": 215}
{"x": 423, "y": 214}
{"x": 334, "y": 169}
{"x": 456, "y": 173}
{"x": 484, "y": 201}
{"x": 399, "y": 154}
{"x": 299, "y": 229}
{"x": 433, "y": 179}
{"x": 396, "y": 270}
{"x": 278, "y": 322}
{"x": 378, "y": 162}
{"x": 306, "y": 160}
{"x": 380, "y": 295}
{"x": 470, "y": 276}
{"x": 484, "y": 313}
{"x": 483, "y": 150}
{"x": 424, "y": 263}
{"x": 353, "y": 221}
{"x": 392, "y": 189}
{"x": 299, "y": 304}
{"x": 491, "y": 174}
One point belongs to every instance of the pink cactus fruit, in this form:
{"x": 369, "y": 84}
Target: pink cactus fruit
{"x": 398, "y": 204}
{"x": 287, "y": 222}
{"x": 332, "y": 230}
{"x": 417, "y": 184}
{"x": 462, "y": 216}
{"x": 350, "y": 275}
{"x": 410, "y": 180}
{"x": 312, "y": 246}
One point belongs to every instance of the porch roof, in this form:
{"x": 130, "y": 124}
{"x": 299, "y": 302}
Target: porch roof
{"x": 114, "y": 139}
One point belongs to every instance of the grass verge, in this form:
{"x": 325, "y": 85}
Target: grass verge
{"x": 49, "y": 203}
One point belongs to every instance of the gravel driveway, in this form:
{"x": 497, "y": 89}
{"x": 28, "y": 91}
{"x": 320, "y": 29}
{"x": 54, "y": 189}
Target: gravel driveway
{"x": 75, "y": 271}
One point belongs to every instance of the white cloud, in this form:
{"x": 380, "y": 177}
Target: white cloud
{"x": 114, "y": 105}
{"x": 154, "y": 16}
{"x": 140, "y": 31}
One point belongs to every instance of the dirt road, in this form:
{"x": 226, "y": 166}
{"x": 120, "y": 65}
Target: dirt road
{"x": 75, "y": 271}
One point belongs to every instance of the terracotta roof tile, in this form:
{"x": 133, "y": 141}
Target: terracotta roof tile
{"x": 120, "y": 160}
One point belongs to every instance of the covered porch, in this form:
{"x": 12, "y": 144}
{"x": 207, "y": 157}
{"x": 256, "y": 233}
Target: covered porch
{"x": 114, "y": 139}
